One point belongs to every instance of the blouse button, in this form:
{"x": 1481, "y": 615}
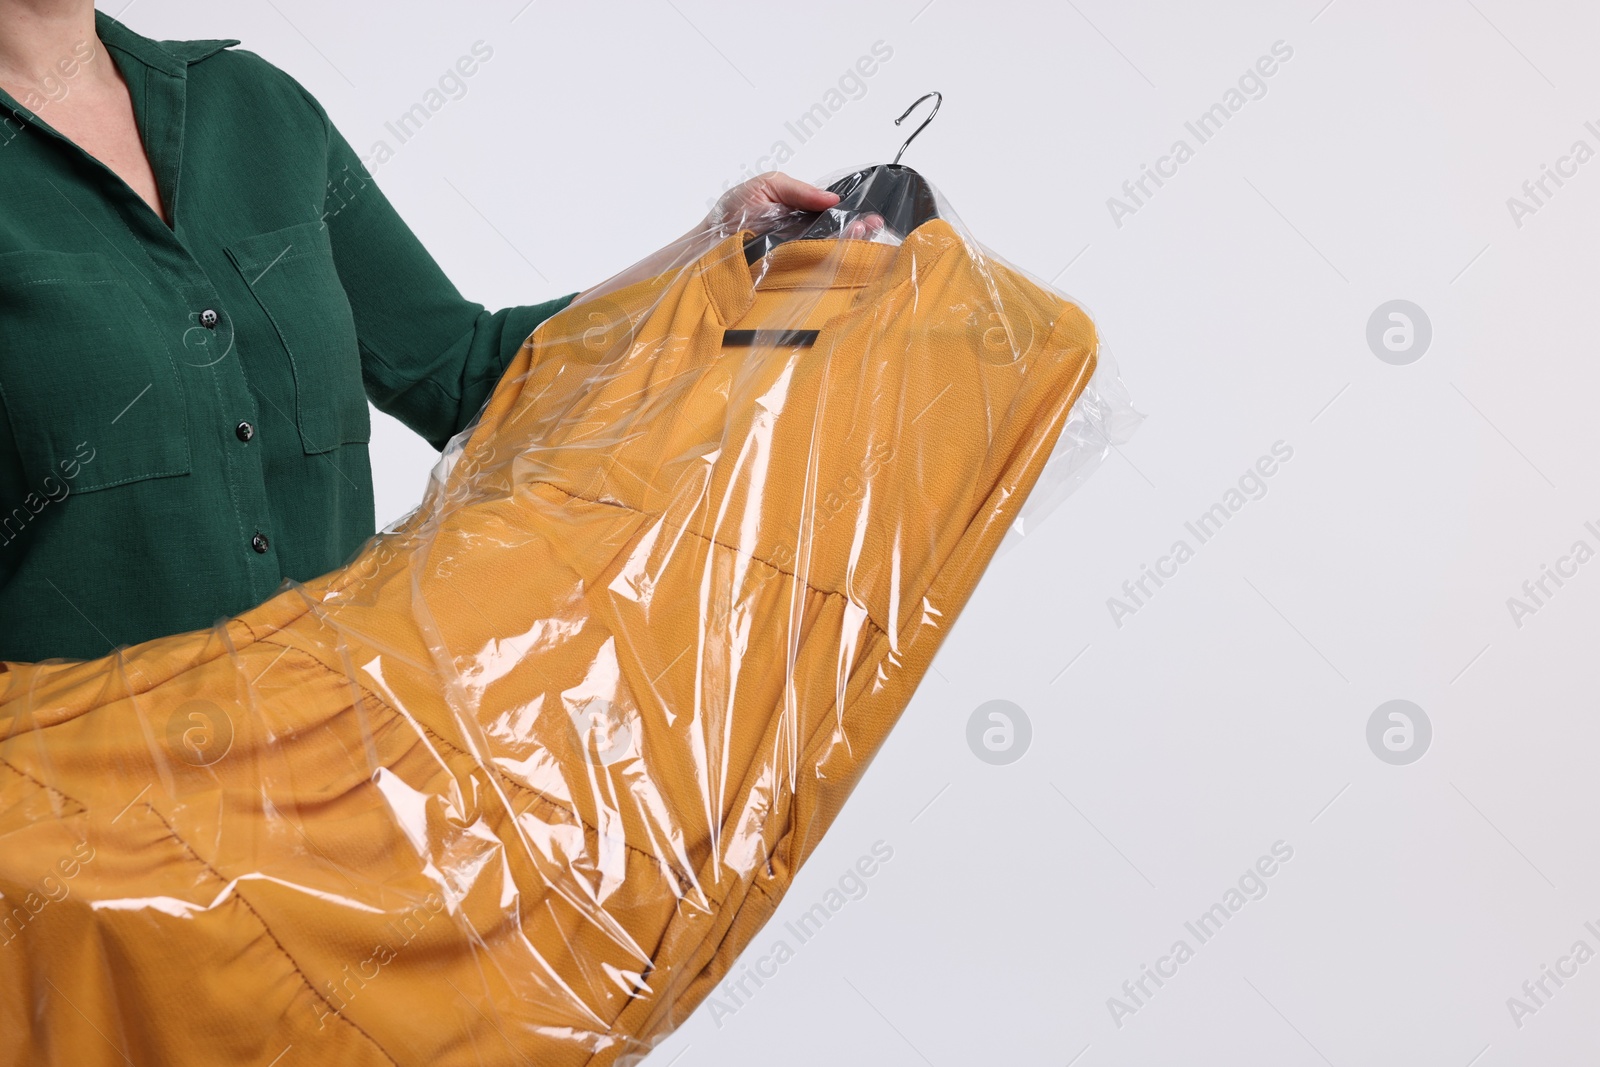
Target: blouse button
{"x": 260, "y": 543}
{"x": 209, "y": 319}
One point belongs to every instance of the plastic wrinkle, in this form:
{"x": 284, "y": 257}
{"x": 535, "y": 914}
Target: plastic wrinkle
{"x": 520, "y": 781}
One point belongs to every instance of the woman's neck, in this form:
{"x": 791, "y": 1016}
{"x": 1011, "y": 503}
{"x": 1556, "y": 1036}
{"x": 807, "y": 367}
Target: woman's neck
{"x": 41, "y": 39}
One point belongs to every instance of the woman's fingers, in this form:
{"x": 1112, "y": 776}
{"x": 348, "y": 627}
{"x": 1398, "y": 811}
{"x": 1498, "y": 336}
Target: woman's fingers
{"x": 792, "y": 192}
{"x": 863, "y": 228}
{"x": 755, "y": 200}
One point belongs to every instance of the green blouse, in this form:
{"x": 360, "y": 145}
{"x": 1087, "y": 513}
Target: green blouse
{"x": 183, "y": 410}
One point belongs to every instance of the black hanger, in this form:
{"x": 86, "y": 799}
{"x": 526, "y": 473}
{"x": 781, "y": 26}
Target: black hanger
{"x": 899, "y": 195}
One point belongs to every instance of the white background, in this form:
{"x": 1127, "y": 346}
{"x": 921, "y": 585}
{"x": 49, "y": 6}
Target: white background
{"x": 1230, "y": 712}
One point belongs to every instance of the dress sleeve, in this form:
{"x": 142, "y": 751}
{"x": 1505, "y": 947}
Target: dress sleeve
{"x": 429, "y": 356}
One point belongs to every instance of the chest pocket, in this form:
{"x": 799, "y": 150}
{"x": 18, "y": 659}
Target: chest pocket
{"x": 292, "y": 275}
{"x": 87, "y": 375}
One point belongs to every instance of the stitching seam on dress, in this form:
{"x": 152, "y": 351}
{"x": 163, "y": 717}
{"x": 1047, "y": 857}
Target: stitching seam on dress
{"x": 19, "y": 772}
{"x": 685, "y": 883}
{"x": 238, "y": 895}
{"x": 713, "y": 541}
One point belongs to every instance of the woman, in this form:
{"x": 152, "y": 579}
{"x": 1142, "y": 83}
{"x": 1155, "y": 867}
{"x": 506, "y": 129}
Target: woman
{"x": 200, "y": 290}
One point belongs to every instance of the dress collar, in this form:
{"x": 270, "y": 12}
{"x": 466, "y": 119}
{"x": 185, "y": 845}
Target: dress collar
{"x": 831, "y": 264}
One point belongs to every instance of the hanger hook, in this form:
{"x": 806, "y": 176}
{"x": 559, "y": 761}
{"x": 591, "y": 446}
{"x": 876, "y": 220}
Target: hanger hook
{"x": 938, "y": 98}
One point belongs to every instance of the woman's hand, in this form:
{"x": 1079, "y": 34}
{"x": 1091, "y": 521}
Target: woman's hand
{"x": 752, "y": 205}
{"x": 766, "y": 198}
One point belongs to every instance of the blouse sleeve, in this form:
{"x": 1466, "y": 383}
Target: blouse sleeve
{"x": 429, "y": 356}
